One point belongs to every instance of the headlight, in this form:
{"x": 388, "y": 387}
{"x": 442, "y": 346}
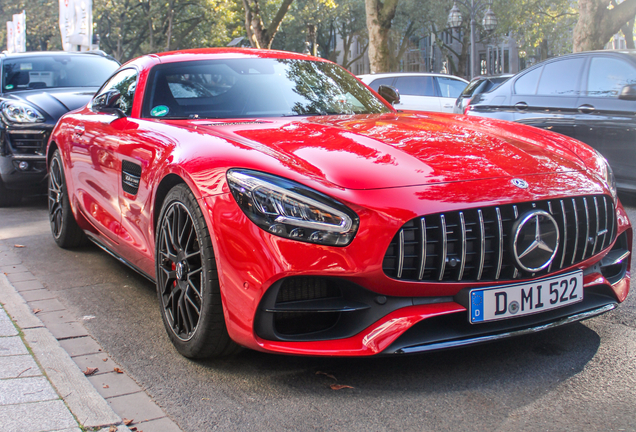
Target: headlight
{"x": 608, "y": 175}
{"x": 288, "y": 209}
{"x": 18, "y": 112}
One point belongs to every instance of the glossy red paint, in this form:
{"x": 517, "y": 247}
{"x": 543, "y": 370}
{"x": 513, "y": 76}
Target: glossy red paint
{"x": 387, "y": 168}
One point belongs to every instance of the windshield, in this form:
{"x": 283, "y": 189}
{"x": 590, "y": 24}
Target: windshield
{"x": 25, "y": 73}
{"x": 235, "y": 88}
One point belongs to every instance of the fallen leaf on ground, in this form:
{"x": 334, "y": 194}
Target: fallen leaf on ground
{"x": 37, "y": 311}
{"x": 19, "y": 246}
{"x": 339, "y": 386}
{"x": 128, "y": 422}
{"x": 90, "y": 371}
{"x": 105, "y": 359}
{"x": 327, "y": 375}
{"x": 112, "y": 429}
{"x": 105, "y": 386}
{"x": 118, "y": 370}
{"x": 134, "y": 429}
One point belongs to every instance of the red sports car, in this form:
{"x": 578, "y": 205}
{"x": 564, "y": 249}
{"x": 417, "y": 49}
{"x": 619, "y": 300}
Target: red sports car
{"x": 279, "y": 204}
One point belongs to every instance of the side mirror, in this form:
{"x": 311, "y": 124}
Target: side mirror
{"x": 628, "y": 92}
{"x": 389, "y": 93}
{"x": 107, "y": 103}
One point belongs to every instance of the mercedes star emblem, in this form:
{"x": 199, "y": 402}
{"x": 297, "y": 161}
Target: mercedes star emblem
{"x": 521, "y": 184}
{"x": 536, "y": 240}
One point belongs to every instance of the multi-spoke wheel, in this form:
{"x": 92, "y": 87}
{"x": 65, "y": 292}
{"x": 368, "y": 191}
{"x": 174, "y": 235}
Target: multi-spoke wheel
{"x": 66, "y": 232}
{"x": 187, "y": 282}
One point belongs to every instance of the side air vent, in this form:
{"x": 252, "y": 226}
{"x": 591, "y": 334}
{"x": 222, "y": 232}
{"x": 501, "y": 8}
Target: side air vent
{"x": 130, "y": 176}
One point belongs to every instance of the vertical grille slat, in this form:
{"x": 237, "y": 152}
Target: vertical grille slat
{"x": 500, "y": 235}
{"x": 476, "y": 244}
{"x": 442, "y": 264}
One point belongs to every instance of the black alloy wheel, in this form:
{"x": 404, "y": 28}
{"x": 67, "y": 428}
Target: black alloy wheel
{"x": 66, "y": 232}
{"x": 187, "y": 281}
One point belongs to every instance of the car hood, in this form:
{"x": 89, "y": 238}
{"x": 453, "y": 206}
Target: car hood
{"x": 55, "y": 102}
{"x": 395, "y": 150}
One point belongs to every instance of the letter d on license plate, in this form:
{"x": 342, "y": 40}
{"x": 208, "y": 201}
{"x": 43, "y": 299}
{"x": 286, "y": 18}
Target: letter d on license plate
{"x": 491, "y": 304}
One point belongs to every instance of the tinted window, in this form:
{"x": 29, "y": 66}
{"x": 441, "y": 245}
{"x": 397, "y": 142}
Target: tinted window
{"x": 527, "y": 84}
{"x": 124, "y": 82}
{"x": 44, "y": 71}
{"x": 473, "y": 86}
{"x": 235, "y": 88}
{"x": 416, "y": 86}
{"x": 375, "y": 85}
{"x": 560, "y": 78}
{"x": 608, "y": 76}
{"x": 450, "y": 88}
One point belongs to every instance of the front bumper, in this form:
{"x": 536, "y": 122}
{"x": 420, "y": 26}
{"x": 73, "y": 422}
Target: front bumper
{"x": 360, "y": 311}
{"x": 22, "y": 156}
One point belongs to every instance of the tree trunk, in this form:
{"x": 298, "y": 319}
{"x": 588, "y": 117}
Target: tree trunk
{"x": 628, "y": 32}
{"x": 257, "y": 34}
{"x": 379, "y": 17}
{"x": 597, "y": 24}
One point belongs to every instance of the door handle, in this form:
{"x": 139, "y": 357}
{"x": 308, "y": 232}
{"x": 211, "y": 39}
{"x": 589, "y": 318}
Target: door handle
{"x": 448, "y": 106}
{"x": 79, "y": 130}
{"x": 521, "y": 106}
{"x": 586, "y": 109}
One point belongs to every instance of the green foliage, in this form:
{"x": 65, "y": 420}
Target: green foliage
{"x": 43, "y": 32}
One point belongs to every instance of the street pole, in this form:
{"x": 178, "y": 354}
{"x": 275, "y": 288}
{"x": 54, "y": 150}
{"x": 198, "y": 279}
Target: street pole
{"x": 472, "y": 39}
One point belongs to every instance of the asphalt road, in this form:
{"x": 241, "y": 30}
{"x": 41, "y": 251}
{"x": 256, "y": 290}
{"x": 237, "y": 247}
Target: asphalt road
{"x": 578, "y": 377}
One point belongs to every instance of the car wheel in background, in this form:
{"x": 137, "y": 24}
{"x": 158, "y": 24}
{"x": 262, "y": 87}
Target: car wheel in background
{"x": 66, "y": 232}
{"x": 187, "y": 280}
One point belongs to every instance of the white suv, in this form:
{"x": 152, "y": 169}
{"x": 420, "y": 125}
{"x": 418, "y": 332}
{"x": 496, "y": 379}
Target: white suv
{"x": 420, "y": 91}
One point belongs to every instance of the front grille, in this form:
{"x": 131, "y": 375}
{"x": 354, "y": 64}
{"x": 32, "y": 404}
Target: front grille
{"x": 476, "y": 244}
{"x": 28, "y": 142}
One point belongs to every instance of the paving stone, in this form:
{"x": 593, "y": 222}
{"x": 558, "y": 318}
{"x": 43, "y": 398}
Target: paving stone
{"x": 20, "y": 366}
{"x": 28, "y": 285}
{"x": 136, "y": 406}
{"x": 116, "y": 384}
{"x": 81, "y": 346}
{"x": 160, "y": 425}
{"x": 62, "y": 325}
{"x": 96, "y": 361}
{"x": 32, "y": 417}
{"x": 15, "y": 268}
{"x": 37, "y": 295}
{"x": 3, "y": 315}
{"x": 49, "y": 305}
{"x": 7, "y": 328}
{"x": 13, "y": 345}
{"x": 21, "y": 390}
{"x": 9, "y": 259}
{"x": 20, "y": 277}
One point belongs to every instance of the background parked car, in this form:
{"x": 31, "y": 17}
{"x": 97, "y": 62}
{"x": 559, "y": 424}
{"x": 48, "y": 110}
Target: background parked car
{"x": 420, "y": 91}
{"x": 590, "y": 96}
{"x": 36, "y": 89}
{"x": 477, "y": 85}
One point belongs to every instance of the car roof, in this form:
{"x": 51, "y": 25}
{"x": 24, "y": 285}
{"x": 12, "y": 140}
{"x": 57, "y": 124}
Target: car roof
{"x": 215, "y": 53}
{"x": 6, "y": 54}
{"x": 402, "y": 74}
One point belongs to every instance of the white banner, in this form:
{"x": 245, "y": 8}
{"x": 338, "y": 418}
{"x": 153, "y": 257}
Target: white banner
{"x": 67, "y": 22}
{"x": 10, "y": 37}
{"x": 19, "y": 32}
{"x": 76, "y": 24}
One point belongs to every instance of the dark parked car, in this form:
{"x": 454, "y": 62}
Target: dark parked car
{"x": 590, "y": 96}
{"x": 478, "y": 85}
{"x": 36, "y": 89}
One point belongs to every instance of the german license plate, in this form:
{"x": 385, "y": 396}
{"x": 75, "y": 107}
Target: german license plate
{"x": 491, "y": 304}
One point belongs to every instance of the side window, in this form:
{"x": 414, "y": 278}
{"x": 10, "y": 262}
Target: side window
{"x": 416, "y": 85}
{"x": 560, "y": 78}
{"x": 375, "y": 85}
{"x": 608, "y": 76}
{"x": 450, "y": 88}
{"x": 527, "y": 84}
{"x": 118, "y": 92}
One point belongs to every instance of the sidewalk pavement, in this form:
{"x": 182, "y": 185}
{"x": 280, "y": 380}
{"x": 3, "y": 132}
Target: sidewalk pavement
{"x": 42, "y": 386}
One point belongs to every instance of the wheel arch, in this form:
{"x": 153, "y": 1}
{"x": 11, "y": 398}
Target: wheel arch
{"x": 49, "y": 153}
{"x": 167, "y": 183}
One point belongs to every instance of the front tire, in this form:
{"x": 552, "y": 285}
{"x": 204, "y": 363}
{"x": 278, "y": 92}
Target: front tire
{"x": 66, "y": 233}
{"x": 187, "y": 280}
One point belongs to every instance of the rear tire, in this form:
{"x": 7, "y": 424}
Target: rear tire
{"x": 66, "y": 233}
{"x": 187, "y": 279}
